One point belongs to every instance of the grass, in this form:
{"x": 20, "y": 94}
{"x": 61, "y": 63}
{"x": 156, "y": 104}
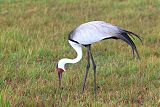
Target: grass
{"x": 33, "y": 37}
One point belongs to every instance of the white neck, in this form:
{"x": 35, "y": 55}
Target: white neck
{"x": 78, "y": 49}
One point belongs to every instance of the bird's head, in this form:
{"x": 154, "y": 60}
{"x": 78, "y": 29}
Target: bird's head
{"x": 59, "y": 71}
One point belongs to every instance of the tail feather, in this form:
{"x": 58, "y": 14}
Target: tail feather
{"x": 133, "y": 34}
{"x": 124, "y": 36}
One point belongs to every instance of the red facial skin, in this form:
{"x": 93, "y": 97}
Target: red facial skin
{"x": 60, "y": 70}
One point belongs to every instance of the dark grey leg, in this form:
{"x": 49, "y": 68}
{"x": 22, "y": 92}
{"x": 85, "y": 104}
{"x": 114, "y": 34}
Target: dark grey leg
{"x": 94, "y": 68}
{"x": 87, "y": 68}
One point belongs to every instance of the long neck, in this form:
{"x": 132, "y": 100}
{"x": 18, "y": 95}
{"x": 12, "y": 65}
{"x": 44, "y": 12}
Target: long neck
{"x": 78, "y": 49}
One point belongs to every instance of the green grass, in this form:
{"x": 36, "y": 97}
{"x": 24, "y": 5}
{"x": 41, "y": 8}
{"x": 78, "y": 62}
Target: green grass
{"x": 33, "y": 37}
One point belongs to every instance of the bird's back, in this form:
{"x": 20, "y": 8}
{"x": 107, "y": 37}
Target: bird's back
{"x": 94, "y": 31}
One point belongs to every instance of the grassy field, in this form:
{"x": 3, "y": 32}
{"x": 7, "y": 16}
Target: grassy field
{"x": 33, "y": 37}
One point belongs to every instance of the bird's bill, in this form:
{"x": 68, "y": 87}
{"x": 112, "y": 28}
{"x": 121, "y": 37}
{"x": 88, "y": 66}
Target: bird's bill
{"x": 60, "y": 78}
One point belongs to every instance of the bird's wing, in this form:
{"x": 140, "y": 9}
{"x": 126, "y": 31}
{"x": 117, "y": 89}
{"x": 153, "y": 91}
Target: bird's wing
{"x": 94, "y": 31}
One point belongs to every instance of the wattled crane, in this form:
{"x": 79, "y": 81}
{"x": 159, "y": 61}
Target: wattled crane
{"x": 87, "y": 34}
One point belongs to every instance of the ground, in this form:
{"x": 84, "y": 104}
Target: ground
{"x": 33, "y": 37}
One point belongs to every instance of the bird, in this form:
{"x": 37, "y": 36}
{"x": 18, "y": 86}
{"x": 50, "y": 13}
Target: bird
{"x": 89, "y": 33}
